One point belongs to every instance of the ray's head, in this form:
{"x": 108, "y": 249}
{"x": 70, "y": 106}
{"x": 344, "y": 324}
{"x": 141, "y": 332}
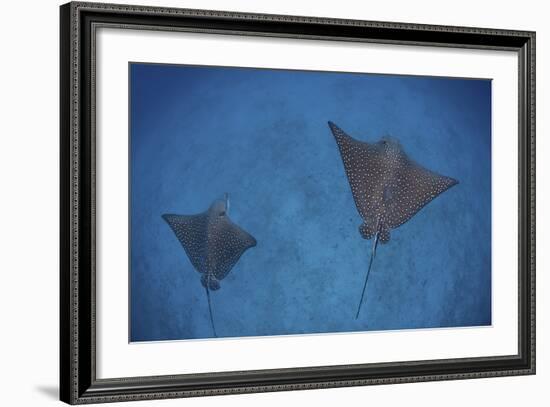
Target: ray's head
{"x": 390, "y": 146}
{"x": 389, "y": 142}
{"x": 220, "y": 207}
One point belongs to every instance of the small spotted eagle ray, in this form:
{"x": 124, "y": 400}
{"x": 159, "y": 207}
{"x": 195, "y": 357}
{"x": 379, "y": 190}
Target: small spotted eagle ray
{"x": 213, "y": 243}
{"x": 387, "y": 186}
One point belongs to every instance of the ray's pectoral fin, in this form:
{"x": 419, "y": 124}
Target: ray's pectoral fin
{"x": 210, "y": 283}
{"x": 367, "y": 230}
{"x": 384, "y": 236}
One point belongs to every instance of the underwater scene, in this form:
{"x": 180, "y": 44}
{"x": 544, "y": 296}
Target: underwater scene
{"x": 282, "y": 202}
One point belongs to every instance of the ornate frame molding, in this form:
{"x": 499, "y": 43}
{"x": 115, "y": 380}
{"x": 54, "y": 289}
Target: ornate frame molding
{"x": 78, "y": 382}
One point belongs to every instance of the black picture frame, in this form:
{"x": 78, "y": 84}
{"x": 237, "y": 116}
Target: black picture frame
{"x": 78, "y": 382}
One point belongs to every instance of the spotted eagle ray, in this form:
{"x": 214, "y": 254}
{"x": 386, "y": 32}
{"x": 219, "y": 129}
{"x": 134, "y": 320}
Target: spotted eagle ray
{"x": 213, "y": 243}
{"x": 387, "y": 186}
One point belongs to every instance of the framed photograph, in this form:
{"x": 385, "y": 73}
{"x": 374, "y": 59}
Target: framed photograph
{"x": 255, "y": 203}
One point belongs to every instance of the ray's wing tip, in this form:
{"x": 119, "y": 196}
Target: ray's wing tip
{"x": 449, "y": 183}
{"x": 336, "y": 131}
{"x": 169, "y": 218}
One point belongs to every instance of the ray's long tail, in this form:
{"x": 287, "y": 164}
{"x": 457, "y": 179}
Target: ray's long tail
{"x": 210, "y": 311}
{"x": 373, "y": 254}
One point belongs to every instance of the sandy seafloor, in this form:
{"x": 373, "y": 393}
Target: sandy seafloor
{"x": 262, "y": 136}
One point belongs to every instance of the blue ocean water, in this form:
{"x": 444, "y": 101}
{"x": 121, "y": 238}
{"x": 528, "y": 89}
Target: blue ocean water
{"x": 262, "y": 136}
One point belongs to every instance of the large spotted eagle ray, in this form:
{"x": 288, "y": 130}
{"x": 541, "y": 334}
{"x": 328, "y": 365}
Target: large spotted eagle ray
{"x": 387, "y": 186}
{"x": 213, "y": 243}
